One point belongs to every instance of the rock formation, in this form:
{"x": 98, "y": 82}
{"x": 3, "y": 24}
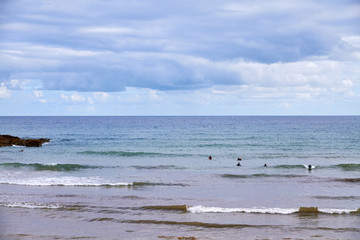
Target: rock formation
{"x": 7, "y": 140}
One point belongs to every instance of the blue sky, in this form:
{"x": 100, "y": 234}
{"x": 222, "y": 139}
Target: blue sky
{"x": 164, "y": 57}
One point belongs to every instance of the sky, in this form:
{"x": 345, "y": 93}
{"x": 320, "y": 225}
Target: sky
{"x": 179, "y": 57}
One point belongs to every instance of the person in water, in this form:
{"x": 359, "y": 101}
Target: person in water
{"x": 238, "y": 164}
{"x": 239, "y": 159}
{"x": 210, "y": 157}
{"x": 265, "y": 165}
{"x": 309, "y": 167}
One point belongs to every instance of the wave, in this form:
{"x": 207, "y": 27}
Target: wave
{"x": 178, "y": 208}
{"x": 338, "y": 197}
{"x": 202, "y": 209}
{"x": 130, "y": 154}
{"x": 132, "y": 197}
{"x": 349, "y": 180}
{"x": 262, "y": 175}
{"x": 48, "y": 167}
{"x": 301, "y": 210}
{"x": 30, "y": 205}
{"x": 342, "y": 166}
{"x": 158, "y": 184}
{"x": 17, "y": 146}
{"x": 160, "y": 167}
{"x": 80, "y": 182}
{"x": 103, "y": 219}
{"x": 285, "y": 166}
{"x": 347, "y": 166}
{"x": 64, "y": 181}
{"x": 67, "y": 140}
{"x": 194, "y": 224}
{"x": 283, "y": 211}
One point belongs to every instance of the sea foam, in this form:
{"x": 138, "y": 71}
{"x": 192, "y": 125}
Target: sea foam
{"x": 301, "y": 210}
{"x": 202, "y": 209}
{"x": 63, "y": 181}
{"x": 30, "y": 205}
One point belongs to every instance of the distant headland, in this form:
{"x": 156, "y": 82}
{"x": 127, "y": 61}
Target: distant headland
{"x": 8, "y": 140}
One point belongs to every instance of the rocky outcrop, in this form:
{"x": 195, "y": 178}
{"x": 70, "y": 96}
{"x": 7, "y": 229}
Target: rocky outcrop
{"x": 7, "y": 140}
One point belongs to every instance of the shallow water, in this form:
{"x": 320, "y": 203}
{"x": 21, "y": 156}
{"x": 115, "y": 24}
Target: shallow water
{"x": 150, "y": 178}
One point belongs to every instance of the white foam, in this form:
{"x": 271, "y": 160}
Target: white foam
{"x": 29, "y": 205}
{"x": 336, "y": 210}
{"x": 202, "y": 209}
{"x": 62, "y": 181}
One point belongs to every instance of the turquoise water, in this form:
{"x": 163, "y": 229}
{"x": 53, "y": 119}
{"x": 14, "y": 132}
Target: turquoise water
{"x": 150, "y": 178}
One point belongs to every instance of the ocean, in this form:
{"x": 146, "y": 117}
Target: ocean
{"x": 151, "y": 178}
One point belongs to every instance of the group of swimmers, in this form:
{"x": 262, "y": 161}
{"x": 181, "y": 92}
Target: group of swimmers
{"x": 265, "y": 165}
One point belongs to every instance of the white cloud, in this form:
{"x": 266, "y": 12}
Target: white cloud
{"x": 354, "y": 41}
{"x": 101, "y": 96}
{"x": 90, "y": 100}
{"x": 65, "y": 97}
{"x": 75, "y": 97}
{"x": 208, "y": 50}
{"x": 153, "y": 95}
{"x": 14, "y": 83}
{"x": 108, "y": 30}
{"x": 4, "y": 92}
{"x": 38, "y": 93}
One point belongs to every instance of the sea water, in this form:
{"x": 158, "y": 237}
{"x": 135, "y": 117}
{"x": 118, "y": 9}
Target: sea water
{"x": 151, "y": 178}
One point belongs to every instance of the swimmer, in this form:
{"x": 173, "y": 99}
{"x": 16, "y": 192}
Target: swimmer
{"x": 238, "y": 164}
{"x": 309, "y": 167}
{"x": 210, "y": 157}
{"x": 265, "y": 165}
{"x": 239, "y": 159}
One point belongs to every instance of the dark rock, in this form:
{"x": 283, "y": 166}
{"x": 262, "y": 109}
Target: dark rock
{"x": 7, "y": 140}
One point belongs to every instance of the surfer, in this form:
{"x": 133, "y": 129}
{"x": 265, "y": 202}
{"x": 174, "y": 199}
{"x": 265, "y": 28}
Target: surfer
{"x": 309, "y": 167}
{"x": 210, "y": 157}
{"x": 238, "y": 164}
{"x": 239, "y": 159}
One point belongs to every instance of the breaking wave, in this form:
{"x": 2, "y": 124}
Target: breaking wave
{"x": 64, "y": 181}
{"x": 255, "y": 210}
{"x": 48, "y": 167}
{"x": 30, "y": 205}
{"x": 70, "y": 181}
{"x": 301, "y": 210}
{"x": 285, "y": 166}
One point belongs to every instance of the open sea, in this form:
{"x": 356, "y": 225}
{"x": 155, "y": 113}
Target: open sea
{"x": 150, "y": 178}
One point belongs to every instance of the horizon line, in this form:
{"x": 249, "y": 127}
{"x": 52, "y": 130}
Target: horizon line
{"x": 275, "y": 115}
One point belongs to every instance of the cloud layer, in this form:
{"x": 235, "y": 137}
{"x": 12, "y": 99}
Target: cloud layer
{"x": 262, "y": 50}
